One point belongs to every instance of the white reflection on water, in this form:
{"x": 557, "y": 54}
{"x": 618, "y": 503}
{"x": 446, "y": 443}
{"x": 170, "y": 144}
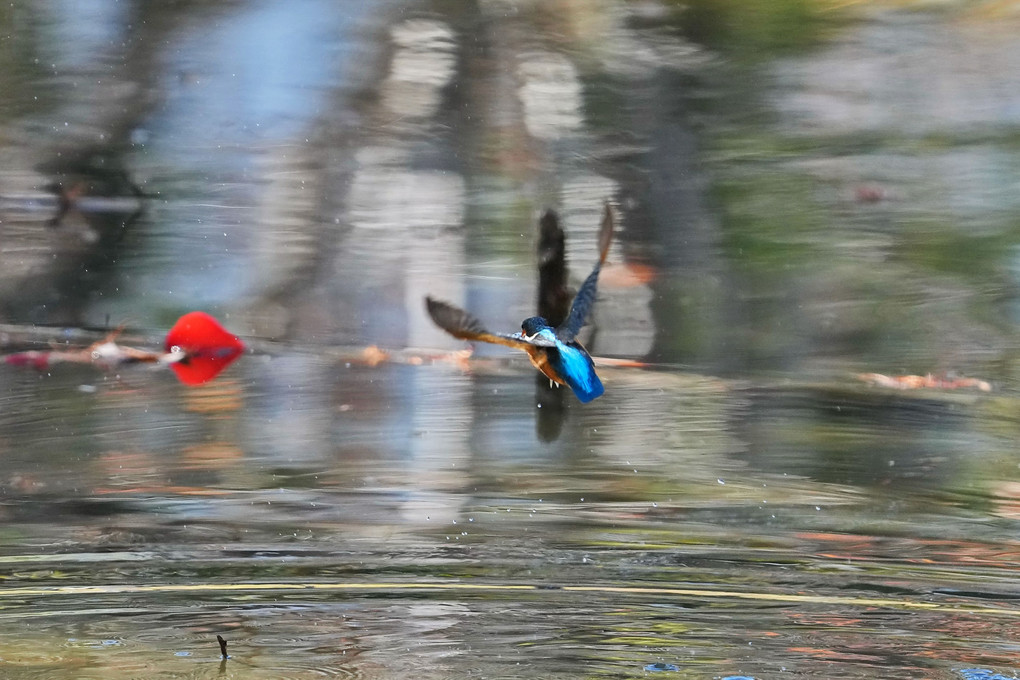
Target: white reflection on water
{"x": 423, "y": 64}
{"x": 386, "y": 195}
{"x": 551, "y": 94}
{"x": 422, "y": 211}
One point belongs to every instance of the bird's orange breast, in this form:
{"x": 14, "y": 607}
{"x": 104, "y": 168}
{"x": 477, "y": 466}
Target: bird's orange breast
{"x": 540, "y": 360}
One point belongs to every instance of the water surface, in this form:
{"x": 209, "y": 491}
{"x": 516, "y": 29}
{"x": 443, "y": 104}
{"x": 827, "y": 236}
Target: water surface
{"x": 800, "y": 201}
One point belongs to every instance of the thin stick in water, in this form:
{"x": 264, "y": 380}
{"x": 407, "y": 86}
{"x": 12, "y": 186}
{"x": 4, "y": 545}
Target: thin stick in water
{"x": 223, "y": 646}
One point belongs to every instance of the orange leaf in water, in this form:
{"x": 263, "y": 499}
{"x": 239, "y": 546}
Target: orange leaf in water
{"x": 373, "y": 356}
{"x": 208, "y": 348}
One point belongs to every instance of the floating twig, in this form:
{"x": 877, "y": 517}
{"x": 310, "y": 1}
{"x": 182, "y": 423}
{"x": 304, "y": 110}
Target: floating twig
{"x": 197, "y": 348}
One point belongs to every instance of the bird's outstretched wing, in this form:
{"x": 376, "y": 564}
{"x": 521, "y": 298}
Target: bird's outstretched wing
{"x": 585, "y": 297}
{"x": 461, "y": 324}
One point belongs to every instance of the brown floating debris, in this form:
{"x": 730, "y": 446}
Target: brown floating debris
{"x": 929, "y": 381}
{"x": 373, "y": 355}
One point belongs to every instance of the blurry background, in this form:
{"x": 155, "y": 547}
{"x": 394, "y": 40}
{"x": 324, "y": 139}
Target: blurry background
{"x": 806, "y": 190}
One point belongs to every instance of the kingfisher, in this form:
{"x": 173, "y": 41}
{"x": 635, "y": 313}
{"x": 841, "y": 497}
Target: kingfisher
{"x": 553, "y": 351}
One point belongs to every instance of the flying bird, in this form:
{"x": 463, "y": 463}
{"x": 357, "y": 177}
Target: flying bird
{"x": 553, "y": 351}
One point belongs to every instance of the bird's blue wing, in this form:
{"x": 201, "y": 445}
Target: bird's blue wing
{"x": 581, "y": 307}
{"x": 585, "y": 298}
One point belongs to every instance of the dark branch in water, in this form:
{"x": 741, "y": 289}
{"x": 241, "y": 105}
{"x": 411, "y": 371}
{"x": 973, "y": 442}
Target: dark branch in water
{"x": 223, "y": 646}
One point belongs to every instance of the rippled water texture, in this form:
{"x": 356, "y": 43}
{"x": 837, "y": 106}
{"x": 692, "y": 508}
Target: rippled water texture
{"x": 805, "y": 193}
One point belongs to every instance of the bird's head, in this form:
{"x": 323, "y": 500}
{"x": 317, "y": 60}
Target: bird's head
{"x": 533, "y": 325}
